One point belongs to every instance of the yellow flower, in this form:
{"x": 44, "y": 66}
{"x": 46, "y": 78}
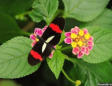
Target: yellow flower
{"x": 80, "y": 43}
{"x": 78, "y": 82}
{"x": 73, "y": 35}
{"x": 37, "y": 39}
{"x": 81, "y": 33}
{"x": 74, "y": 44}
{"x": 87, "y": 36}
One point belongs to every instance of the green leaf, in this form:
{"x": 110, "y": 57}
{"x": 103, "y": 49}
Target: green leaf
{"x": 91, "y": 81}
{"x": 56, "y": 63}
{"x": 44, "y": 10}
{"x": 103, "y": 21}
{"x": 92, "y": 73}
{"x": 13, "y": 58}
{"x": 84, "y": 10}
{"x": 36, "y": 17}
{"x": 101, "y": 71}
{"x": 14, "y": 7}
{"x": 8, "y": 28}
{"x": 102, "y": 49}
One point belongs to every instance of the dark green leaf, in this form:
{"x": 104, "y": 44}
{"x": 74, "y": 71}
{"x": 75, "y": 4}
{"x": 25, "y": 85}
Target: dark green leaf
{"x": 91, "y": 80}
{"x": 8, "y": 28}
{"x": 84, "y": 10}
{"x": 101, "y": 71}
{"x": 13, "y": 58}
{"x": 71, "y": 23}
{"x": 14, "y": 7}
{"x": 92, "y": 73}
{"x": 56, "y": 63}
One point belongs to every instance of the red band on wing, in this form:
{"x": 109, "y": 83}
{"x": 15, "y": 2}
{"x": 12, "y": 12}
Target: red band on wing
{"x": 55, "y": 28}
{"x": 36, "y": 55}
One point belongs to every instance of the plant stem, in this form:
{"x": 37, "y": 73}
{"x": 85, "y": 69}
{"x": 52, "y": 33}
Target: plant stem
{"x": 71, "y": 60}
{"x": 25, "y": 33}
{"x": 77, "y": 82}
{"x": 67, "y": 77}
{"x": 30, "y": 25}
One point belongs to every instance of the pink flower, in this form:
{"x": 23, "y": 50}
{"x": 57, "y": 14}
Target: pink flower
{"x": 54, "y": 46}
{"x": 87, "y": 51}
{"x": 75, "y": 50}
{"x": 68, "y": 40}
{"x": 85, "y": 31}
{"x": 51, "y": 55}
{"x": 90, "y": 43}
{"x": 80, "y": 40}
{"x": 38, "y": 31}
{"x": 83, "y": 49}
{"x": 75, "y": 30}
{"x": 80, "y": 54}
{"x": 45, "y": 27}
{"x": 67, "y": 34}
{"x": 91, "y": 38}
{"x": 32, "y": 37}
{"x": 33, "y": 43}
{"x": 90, "y": 47}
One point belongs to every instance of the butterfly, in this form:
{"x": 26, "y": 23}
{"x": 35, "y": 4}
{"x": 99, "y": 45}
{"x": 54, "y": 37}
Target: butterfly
{"x": 50, "y": 38}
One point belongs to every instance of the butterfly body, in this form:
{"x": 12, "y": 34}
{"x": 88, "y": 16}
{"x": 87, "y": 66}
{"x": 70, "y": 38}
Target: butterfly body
{"x": 50, "y": 38}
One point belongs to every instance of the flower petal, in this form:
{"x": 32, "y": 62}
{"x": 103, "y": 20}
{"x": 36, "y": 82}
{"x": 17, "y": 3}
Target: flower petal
{"x": 51, "y": 55}
{"x": 85, "y": 31}
{"x": 80, "y": 55}
{"x": 68, "y": 40}
{"x": 54, "y": 46}
{"x": 75, "y": 30}
{"x": 38, "y": 31}
{"x": 91, "y": 38}
{"x": 75, "y": 51}
{"x": 45, "y": 27}
{"x": 90, "y": 43}
{"x": 67, "y": 34}
{"x": 32, "y": 37}
{"x": 33, "y": 43}
{"x": 87, "y": 51}
{"x": 90, "y": 47}
{"x": 83, "y": 49}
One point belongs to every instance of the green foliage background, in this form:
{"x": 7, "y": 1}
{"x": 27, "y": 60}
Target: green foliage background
{"x": 17, "y": 21}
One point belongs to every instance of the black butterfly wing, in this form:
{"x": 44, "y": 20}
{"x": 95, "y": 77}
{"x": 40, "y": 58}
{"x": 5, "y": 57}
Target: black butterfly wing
{"x": 51, "y": 31}
{"x": 40, "y": 51}
{"x": 36, "y": 49}
{"x": 36, "y": 55}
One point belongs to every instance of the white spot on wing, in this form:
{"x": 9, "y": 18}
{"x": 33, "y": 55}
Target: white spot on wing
{"x": 49, "y": 39}
{"x": 44, "y": 47}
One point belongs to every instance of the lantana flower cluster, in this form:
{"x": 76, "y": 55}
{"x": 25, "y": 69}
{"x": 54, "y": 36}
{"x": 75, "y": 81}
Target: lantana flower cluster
{"x": 39, "y": 32}
{"x": 80, "y": 40}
